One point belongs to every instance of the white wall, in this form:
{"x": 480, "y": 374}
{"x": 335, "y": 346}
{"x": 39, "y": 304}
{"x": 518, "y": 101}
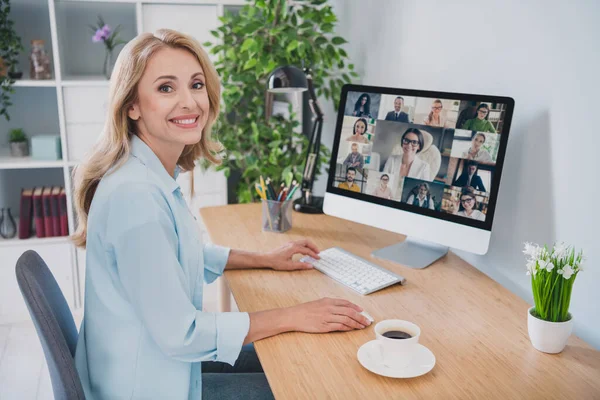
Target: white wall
{"x": 546, "y": 56}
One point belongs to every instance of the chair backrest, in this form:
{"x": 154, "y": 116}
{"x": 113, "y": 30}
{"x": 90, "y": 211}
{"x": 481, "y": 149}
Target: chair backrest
{"x": 54, "y": 323}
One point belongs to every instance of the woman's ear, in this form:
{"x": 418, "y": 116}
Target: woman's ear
{"x": 133, "y": 112}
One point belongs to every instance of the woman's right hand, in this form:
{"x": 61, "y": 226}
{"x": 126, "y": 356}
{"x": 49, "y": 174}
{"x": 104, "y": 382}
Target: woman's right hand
{"x": 327, "y": 315}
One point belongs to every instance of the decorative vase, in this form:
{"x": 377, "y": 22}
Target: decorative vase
{"x": 8, "y": 228}
{"x": 19, "y": 149}
{"x": 107, "y": 69}
{"x": 546, "y": 336}
{"x": 15, "y": 74}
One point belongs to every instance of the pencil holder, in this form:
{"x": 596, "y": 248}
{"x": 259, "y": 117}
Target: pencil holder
{"x": 276, "y": 215}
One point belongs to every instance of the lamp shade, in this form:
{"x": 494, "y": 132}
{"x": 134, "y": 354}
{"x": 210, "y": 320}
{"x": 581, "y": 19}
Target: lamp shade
{"x": 287, "y": 79}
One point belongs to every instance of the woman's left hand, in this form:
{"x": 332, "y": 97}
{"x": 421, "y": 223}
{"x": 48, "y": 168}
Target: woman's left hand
{"x": 280, "y": 259}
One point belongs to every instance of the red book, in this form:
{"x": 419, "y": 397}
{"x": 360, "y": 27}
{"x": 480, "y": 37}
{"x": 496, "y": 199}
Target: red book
{"x": 38, "y": 212}
{"x": 46, "y": 194}
{"x": 54, "y": 210}
{"x": 25, "y": 213}
{"x": 62, "y": 205}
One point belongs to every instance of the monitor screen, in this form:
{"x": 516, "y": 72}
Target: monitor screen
{"x": 432, "y": 153}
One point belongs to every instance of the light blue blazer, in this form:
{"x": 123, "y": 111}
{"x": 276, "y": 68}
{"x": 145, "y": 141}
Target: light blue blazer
{"x": 144, "y": 333}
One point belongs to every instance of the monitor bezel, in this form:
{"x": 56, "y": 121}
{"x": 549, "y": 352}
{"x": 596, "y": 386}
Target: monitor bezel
{"x": 485, "y": 225}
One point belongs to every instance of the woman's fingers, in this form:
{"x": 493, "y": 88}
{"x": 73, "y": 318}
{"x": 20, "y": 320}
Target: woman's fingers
{"x": 345, "y": 320}
{"x": 346, "y": 303}
{"x": 308, "y": 243}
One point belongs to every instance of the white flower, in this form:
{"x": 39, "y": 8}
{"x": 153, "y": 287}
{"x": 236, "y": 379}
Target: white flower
{"x": 531, "y": 250}
{"x": 559, "y": 271}
{"x": 549, "y": 266}
{"x": 561, "y": 250}
{"x": 531, "y": 267}
{"x": 567, "y": 271}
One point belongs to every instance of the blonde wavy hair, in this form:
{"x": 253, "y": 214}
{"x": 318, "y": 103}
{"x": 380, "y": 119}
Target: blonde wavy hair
{"x": 113, "y": 146}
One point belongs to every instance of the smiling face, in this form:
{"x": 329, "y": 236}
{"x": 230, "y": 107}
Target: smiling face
{"x": 482, "y": 112}
{"x": 436, "y": 108}
{"x": 359, "y": 128}
{"x": 410, "y": 144}
{"x": 172, "y": 104}
{"x": 422, "y": 191}
{"x": 384, "y": 181}
{"x": 397, "y": 105}
{"x": 467, "y": 202}
{"x": 354, "y": 148}
{"x": 477, "y": 142}
{"x": 350, "y": 176}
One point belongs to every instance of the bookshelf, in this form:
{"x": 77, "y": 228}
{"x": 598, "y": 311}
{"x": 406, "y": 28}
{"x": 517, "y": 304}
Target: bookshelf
{"x": 73, "y": 105}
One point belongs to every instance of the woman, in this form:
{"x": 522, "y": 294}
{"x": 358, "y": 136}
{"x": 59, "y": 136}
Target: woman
{"x": 475, "y": 152}
{"x": 423, "y": 197}
{"x": 362, "y": 107}
{"x": 408, "y": 164}
{"x": 144, "y": 334}
{"x": 383, "y": 190}
{"x": 435, "y": 116}
{"x": 480, "y": 123}
{"x": 358, "y": 132}
{"x": 468, "y": 207}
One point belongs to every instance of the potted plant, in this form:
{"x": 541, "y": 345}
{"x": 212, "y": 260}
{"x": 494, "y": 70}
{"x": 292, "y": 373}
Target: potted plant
{"x": 266, "y": 34}
{"x": 10, "y": 48}
{"x": 553, "y": 272}
{"x": 110, "y": 38}
{"x": 18, "y": 143}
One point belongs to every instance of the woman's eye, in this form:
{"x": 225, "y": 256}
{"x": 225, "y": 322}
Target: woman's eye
{"x": 198, "y": 85}
{"x": 165, "y": 89}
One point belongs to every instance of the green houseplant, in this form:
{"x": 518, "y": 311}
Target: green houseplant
{"x": 10, "y": 48}
{"x": 18, "y": 143}
{"x": 553, "y": 272}
{"x": 266, "y": 34}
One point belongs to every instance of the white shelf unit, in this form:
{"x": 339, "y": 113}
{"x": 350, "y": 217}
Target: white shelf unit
{"x": 73, "y": 104}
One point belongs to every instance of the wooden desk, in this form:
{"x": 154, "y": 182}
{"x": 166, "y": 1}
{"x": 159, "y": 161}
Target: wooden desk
{"x": 476, "y": 328}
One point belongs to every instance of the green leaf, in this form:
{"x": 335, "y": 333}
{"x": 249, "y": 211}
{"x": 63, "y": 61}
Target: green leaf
{"x": 292, "y": 46}
{"x": 248, "y": 43}
{"x": 215, "y": 34}
{"x": 250, "y": 63}
{"x": 337, "y": 40}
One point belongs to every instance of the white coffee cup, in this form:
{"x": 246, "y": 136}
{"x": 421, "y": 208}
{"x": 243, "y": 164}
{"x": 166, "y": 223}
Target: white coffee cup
{"x": 397, "y": 353}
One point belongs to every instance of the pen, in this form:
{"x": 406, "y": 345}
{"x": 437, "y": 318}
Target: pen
{"x": 263, "y": 186}
{"x": 271, "y": 190}
{"x": 289, "y": 196}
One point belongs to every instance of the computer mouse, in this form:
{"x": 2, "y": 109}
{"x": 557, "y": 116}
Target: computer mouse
{"x": 367, "y": 315}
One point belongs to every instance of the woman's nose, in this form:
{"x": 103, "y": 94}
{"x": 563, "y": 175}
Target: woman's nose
{"x": 186, "y": 100}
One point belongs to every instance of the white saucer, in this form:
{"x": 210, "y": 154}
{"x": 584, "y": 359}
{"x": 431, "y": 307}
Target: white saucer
{"x": 370, "y": 358}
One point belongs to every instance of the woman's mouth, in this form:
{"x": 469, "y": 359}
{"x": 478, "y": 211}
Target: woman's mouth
{"x": 186, "y": 121}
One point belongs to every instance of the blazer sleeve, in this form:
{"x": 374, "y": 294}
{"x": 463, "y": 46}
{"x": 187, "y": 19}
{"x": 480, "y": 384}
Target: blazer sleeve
{"x": 142, "y": 236}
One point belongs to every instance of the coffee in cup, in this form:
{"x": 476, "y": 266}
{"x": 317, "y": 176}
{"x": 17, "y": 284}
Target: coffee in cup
{"x": 398, "y": 340}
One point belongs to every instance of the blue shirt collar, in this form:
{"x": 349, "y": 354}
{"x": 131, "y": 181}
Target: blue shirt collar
{"x": 144, "y": 153}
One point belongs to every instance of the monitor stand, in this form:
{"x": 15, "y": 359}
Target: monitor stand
{"x": 413, "y": 253}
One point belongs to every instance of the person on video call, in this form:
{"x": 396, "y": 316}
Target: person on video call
{"x": 434, "y": 118}
{"x": 468, "y": 207}
{"x": 480, "y": 123}
{"x": 469, "y": 178}
{"x": 476, "y": 152}
{"x": 354, "y": 159}
{"x": 358, "y": 132}
{"x": 423, "y": 197}
{"x": 397, "y": 115}
{"x": 145, "y": 334}
{"x": 349, "y": 184}
{"x": 383, "y": 189}
{"x": 362, "y": 107}
{"x": 409, "y": 164}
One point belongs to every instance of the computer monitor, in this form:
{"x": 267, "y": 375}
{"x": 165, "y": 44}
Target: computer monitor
{"x": 421, "y": 163}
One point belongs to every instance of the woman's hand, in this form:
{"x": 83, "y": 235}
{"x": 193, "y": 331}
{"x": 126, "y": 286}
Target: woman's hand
{"x": 327, "y": 315}
{"x": 281, "y": 259}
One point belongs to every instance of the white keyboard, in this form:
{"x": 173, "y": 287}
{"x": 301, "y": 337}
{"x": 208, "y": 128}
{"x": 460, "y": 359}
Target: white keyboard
{"x": 354, "y": 272}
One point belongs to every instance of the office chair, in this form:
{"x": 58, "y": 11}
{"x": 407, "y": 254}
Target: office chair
{"x": 53, "y": 322}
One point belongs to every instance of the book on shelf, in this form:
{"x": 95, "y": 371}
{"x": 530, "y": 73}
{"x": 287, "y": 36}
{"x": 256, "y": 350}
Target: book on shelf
{"x": 62, "y": 205}
{"x": 46, "y": 195}
{"x": 38, "y": 212}
{"x": 54, "y": 211}
{"x": 25, "y": 213}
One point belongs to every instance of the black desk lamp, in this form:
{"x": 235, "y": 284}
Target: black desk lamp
{"x": 290, "y": 79}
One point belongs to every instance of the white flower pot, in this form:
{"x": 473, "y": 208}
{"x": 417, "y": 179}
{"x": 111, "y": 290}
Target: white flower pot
{"x": 548, "y": 337}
